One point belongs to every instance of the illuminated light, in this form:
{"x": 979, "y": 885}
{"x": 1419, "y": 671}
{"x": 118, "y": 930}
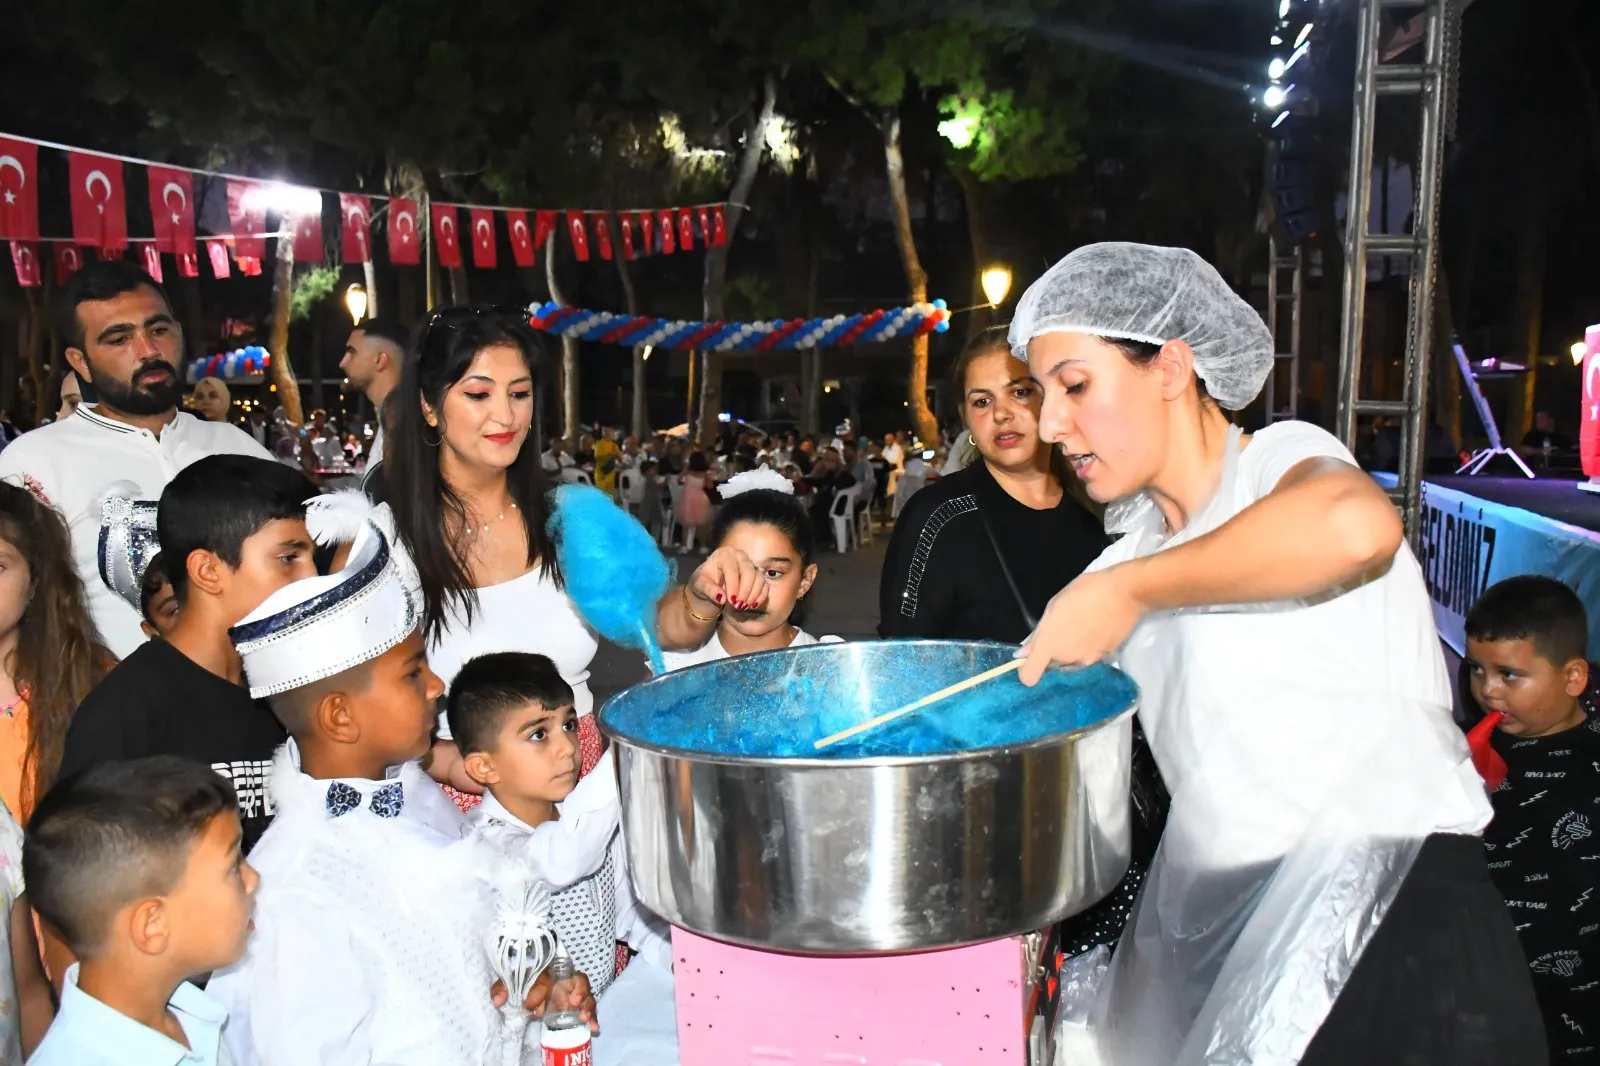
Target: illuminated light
{"x": 1298, "y": 52}
{"x": 962, "y": 129}
{"x": 996, "y": 283}
{"x": 355, "y": 298}
{"x": 723, "y": 416}
{"x": 282, "y": 199}
{"x": 272, "y": 388}
{"x": 645, "y": 355}
{"x": 1279, "y": 120}
{"x": 1276, "y": 68}
{"x": 1579, "y": 350}
{"x": 1276, "y": 39}
{"x": 1305, "y": 31}
{"x": 1283, "y": 9}
{"x": 1274, "y": 96}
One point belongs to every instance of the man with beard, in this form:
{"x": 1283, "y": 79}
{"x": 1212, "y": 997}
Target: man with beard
{"x": 122, "y": 338}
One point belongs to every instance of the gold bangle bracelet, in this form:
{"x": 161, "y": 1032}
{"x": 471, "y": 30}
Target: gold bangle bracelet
{"x": 696, "y": 615}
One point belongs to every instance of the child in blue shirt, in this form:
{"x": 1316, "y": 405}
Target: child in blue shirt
{"x": 138, "y": 867}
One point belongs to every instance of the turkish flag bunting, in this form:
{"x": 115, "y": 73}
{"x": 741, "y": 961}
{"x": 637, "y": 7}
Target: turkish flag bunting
{"x": 446, "y": 234}
{"x": 188, "y": 265}
{"x": 668, "y": 241}
{"x": 218, "y": 251}
{"x": 647, "y": 223}
{"x": 404, "y": 247}
{"x": 308, "y": 236}
{"x": 150, "y": 256}
{"x": 99, "y": 208}
{"x": 521, "y": 238}
{"x": 685, "y": 229}
{"x": 602, "y": 235}
{"x": 482, "y": 220}
{"x": 26, "y": 259}
{"x": 355, "y": 217}
{"x": 705, "y": 224}
{"x": 108, "y": 254}
{"x": 544, "y": 224}
{"x": 627, "y": 236}
{"x": 248, "y": 214}
{"x": 19, "y": 190}
{"x": 580, "y": 236}
{"x": 249, "y": 265}
{"x": 719, "y": 227}
{"x": 68, "y": 261}
{"x": 172, "y": 209}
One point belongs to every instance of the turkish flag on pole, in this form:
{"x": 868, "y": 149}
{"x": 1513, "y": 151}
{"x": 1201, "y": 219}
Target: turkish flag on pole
{"x": 446, "y": 237}
{"x": 308, "y": 246}
{"x": 602, "y": 235}
{"x": 99, "y": 208}
{"x": 248, "y": 214}
{"x": 19, "y": 190}
{"x": 521, "y": 238}
{"x": 705, "y": 225}
{"x": 580, "y": 236}
{"x": 668, "y": 240}
{"x": 172, "y": 209}
{"x": 544, "y": 224}
{"x": 26, "y": 260}
{"x": 685, "y": 229}
{"x": 646, "y": 225}
{"x": 627, "y": 236}
{"x": 355, "y": 214}
{"x": 482, "y": 220}
{"x": 188, "y": 265}
{"x": 719, "y": 227}
{"x": 150, "y": 256}
{"x": 404, "y": 248}
{"x": 68, "y": 260}
{"x": 218, "y": 251}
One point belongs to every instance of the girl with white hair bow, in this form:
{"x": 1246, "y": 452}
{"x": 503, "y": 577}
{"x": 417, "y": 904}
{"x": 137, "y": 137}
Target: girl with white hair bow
{"x": 1320, "y": 894}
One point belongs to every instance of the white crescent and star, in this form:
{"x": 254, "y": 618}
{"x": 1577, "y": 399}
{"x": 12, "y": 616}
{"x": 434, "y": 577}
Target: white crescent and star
{"x": 88, "y": 187}
{"x": 522, "y": 236}
{"x": 1591, "y": 378}
{"x": 408, "y": 229}
{"x": 25, "y": 261}
{"x": 183, "y": 200}
{"x": 483, "y": 229}
{"x": 447, "y": 228}
{"x": 13, "y": 163}
{"x": 69, "y": 256}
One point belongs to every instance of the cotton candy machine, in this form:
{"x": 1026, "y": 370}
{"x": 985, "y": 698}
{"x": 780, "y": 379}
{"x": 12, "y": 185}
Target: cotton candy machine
{"x": 995, "y": 813}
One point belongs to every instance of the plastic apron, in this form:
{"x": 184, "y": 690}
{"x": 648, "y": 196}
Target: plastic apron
{"x": 1242, "y": 938}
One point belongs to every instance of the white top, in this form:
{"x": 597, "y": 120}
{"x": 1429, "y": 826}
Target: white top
{"x": 375, "y": 453}
{"x": 10, "y": 889}
{"x": 368, "y": 940}
{"x": 527, "y": 613}
{"x": 1267, "y": 705}
{"x": 894, "y": 455}
{"x": 712, "y": 650}
{"x": 86, "y": 1032}
{"x": 71, "y": 463}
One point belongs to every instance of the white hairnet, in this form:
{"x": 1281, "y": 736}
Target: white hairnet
{"x": 1144, "y": 293}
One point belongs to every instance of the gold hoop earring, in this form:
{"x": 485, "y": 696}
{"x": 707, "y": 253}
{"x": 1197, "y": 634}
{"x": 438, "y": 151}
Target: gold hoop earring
{"x": 432, "y": 443}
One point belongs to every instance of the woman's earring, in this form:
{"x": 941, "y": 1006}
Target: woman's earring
{"x": 432, "y": 443}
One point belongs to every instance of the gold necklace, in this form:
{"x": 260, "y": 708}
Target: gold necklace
{"x": 483, "y": 531}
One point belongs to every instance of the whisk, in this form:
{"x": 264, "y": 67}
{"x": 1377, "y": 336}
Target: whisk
{"x": 520, "y": 944}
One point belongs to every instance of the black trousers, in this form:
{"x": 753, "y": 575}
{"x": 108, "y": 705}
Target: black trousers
{"x": 1443, "y": 982}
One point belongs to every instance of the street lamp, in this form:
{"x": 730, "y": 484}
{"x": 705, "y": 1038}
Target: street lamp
{"x": 355, "y": 298}
{"x": 996, "y": 282}
{"x": 1579, "y": 350}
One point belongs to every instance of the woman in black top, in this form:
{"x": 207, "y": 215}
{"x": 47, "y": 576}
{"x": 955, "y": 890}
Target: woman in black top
{"x": 977, "y": 555}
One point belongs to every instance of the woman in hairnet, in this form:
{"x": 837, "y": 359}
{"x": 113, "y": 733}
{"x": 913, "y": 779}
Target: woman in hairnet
{"x": 1320, "y": 894}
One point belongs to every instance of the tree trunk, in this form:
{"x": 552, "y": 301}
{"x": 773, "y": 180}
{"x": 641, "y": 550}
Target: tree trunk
{"x": 716, "y": 276}
{"x": 916, "y": 282}
{"x": 640, "y": 411}
{"x": 568, "y": 378}
{"x": 460, "y": 291}
{"x": 282, "y": 289}
{"x": 193, "y": 318}
{"x": 811, "y": 369}
{"x": 369, "y": 273}
{"x": 1528, "y": 301}
{"x": 981, "y": 314}
{"x": 29, "y": 333}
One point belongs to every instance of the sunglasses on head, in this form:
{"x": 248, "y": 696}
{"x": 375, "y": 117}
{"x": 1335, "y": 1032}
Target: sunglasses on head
{"x": 457, "y": 317}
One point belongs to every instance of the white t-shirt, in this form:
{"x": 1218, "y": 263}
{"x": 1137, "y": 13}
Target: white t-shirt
{"x": 1286, "y": 694}
{"x": 712, "y": 650}
{"x": 72, "y": 462}
{"x": 894, "y": 455}
{"x": 375, "y": 453}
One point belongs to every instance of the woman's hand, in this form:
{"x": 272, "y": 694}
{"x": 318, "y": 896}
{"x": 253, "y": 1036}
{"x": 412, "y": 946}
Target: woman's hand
{"x": 729, "y": 578}
{"x": 1087, "y": 621}
{"x": 577, "y": 995}
{"x": 445, "y": 765}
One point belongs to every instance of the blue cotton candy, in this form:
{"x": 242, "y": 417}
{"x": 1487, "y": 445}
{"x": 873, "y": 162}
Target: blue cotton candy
{"x": 613, "y": 570}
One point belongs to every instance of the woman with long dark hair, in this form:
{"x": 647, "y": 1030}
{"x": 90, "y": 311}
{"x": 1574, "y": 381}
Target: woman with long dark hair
{"x": 468, "y": 505}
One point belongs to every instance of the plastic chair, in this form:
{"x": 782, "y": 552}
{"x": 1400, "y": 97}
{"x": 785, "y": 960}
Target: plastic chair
{"x": 863, "y": 505}
{"x": 573, "y": 475}
{"x": 669, "y": 514}
{"x": 842, "y": 512}
{"x": 630, "y": 490}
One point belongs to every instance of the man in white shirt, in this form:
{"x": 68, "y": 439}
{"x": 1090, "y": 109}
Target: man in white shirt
{"x": 122, "y": 338}
{"x": 372, "y": 360}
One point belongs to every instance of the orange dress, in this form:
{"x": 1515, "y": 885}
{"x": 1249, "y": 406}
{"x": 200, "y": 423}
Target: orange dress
{"x": 13, "y": 753}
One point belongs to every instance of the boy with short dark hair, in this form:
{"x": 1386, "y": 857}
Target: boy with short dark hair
{"x": 1526, "y": 645}
{"x": 138, "y": 866}
{"x": 232, "y": 531}
{"x": 158, "y": 607}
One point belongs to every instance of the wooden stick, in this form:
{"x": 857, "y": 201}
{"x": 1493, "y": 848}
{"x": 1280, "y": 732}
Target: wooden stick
{"x": 959, "y": 686}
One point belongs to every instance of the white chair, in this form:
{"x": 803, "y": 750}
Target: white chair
{"x": 842, "y": 512}
{"x": 674, "y": 493}
{"x": 908, "y": 486}
{"x": 573, "y": 475}
{"x": 865, "y": 492}
{"x": 630, "y": 490}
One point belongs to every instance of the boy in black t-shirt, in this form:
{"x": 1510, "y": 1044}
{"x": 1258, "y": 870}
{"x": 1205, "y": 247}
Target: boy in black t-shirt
{"x": 1526, "y": 642}
{"x": 232, "y": 532}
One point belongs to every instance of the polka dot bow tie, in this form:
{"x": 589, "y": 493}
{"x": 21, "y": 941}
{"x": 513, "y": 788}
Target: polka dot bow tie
{"x": 386, "y": 799}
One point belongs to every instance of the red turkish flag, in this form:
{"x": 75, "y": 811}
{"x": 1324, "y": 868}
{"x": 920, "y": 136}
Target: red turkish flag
{"x": 668, "y": 239}
{"x": 719, "y": 227}
{"x": 602, "y": 235}
{"x": 482, "y": 220}
{"x": 218, "y": 251}
{"x": 627, "y": 236}
{"x": 188, "y": 265}
{"x": 150, "y": 257}
{"x": 647, "y": 223}
{"x": 355, "y": 216}
{"x": 705, "y": 224}
{"x": 99, "y": 208}
{"x": 25, "y": 257}
{"x": 580, "y": 236}
{"x": 544, "y": 224}
{"x": 247, "y": 211}
{"x": 446, "y": 236}
{"x": 685, "y": 229}
{"x": 68, "y": 261}
{"x": 308, "y": 246}
{"x": 521, "y": 238}
{"x": 172, "y": 208}
{"x": 249, "y": 265}
{"x": 108, "y": 254}
{"x": 404, "y": 248}
{"x": 19, "y": 190}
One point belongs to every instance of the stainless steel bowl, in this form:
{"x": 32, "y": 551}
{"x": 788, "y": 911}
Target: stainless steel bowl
{"x": 871, "y": 853}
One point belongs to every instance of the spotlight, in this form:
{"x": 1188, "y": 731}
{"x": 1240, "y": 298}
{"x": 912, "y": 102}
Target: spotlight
{"x": 1274, "y": 97}
{"x": 1579, "y": 350}
{"x": 1276, "y": 68}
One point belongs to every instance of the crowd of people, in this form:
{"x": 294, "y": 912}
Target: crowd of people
{"x": 276, "y": 741}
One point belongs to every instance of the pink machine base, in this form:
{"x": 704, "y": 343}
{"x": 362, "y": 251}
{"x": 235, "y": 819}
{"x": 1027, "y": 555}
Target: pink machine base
{"x": 984, "y": 1005}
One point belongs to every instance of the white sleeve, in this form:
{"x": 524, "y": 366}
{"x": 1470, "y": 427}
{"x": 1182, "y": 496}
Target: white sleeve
{"x": 1282, "y": 446}
{"x": 572, "y": 847}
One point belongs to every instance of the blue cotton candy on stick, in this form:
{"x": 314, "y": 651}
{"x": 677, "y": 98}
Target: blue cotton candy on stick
{"x": 613, "y": 570}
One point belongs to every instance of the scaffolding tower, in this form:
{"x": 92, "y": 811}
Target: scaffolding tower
{"x": 1432, "y": 80}
{"x": 1279, "y": 301}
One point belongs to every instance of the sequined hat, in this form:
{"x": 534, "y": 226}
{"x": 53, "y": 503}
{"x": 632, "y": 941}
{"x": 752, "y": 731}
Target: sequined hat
{"x": 321, "y": 626}
{"x": 127, "y": 540}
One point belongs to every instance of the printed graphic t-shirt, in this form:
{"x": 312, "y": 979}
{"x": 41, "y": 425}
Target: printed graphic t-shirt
{"x": 157, "y": 701}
